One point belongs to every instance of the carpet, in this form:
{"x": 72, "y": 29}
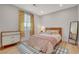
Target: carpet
{"x": 61, "y": 50}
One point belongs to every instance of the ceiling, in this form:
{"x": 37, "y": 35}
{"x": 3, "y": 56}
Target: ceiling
{"x": 42, "y": 9}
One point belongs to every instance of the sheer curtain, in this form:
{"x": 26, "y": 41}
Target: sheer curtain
{"x": 27, "y": 26}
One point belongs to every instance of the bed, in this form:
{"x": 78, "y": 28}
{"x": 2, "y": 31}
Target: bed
{"x": 47, "y": 41}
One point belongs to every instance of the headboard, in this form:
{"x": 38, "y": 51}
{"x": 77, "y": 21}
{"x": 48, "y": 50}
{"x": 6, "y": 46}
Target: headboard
{"x": 55, "y": 28}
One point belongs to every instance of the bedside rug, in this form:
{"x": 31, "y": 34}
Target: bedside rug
{"x": 26, "y": 49}
{"x": 61, "y": 50}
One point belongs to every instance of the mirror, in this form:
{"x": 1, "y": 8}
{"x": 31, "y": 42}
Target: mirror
{"x": 73, "y": 30}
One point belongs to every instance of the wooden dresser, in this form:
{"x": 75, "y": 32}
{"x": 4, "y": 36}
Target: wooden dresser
{"x": 9, "y": 38}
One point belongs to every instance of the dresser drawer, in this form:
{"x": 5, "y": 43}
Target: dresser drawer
{"x": 10, "y": 38}
{"x": 7, "y": 41}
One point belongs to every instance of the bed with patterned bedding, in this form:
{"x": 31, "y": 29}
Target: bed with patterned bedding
{"x": 39, "y": 44}
{"x": 42, "y": 43}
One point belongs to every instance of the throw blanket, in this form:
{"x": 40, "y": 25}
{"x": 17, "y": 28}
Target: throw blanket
{"x": 43, "y": 43}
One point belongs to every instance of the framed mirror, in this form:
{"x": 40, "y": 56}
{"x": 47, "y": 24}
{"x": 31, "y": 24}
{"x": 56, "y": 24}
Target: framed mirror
{"x": 73, "y": 34}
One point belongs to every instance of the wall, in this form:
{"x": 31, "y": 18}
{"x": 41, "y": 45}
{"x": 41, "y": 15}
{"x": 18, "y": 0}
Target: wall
{"x": 37, "y": 23}
{"x": 60, "y": 19}
{"x": 8, "y": 18}
{"x": 78, "y": 20}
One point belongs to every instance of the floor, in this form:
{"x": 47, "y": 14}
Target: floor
{"x": 73, "y": 49}
{"x": 10, "y": 50}
{"x": 14, "y": 50}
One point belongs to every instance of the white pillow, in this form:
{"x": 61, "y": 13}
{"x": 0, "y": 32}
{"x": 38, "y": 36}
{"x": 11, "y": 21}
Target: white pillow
{"x": 53, "y": 31}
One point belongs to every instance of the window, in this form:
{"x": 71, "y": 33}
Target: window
{"x": 27, "y": 25}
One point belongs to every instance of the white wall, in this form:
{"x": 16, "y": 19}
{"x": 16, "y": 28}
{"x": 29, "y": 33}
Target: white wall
{"x": 8, "y": 18}
{"x": 78, "y": 12}
{"x": 37, "y": 23}
{"x": 78, "y": 26}
{"x": 61, "y": 19}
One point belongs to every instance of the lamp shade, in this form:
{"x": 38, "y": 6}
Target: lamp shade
{"x": 42, "y": 29}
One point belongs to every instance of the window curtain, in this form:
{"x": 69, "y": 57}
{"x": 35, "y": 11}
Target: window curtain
{"x": 21, "y": 22}
{"x": 32, "y": 24}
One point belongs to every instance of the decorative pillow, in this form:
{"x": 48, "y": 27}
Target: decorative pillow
{"x": 45, "y": 33}
{"x": 53, "y": 31}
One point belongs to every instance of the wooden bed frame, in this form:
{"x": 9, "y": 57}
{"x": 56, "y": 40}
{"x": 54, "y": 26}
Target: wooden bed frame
{"x": 60, "y": 32}
{"x": 56, "y": 28}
